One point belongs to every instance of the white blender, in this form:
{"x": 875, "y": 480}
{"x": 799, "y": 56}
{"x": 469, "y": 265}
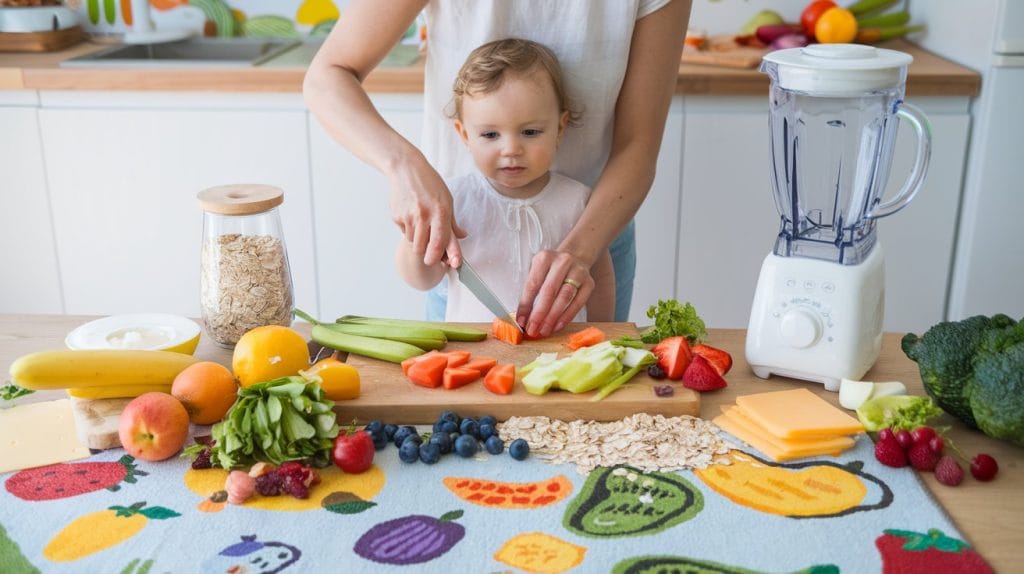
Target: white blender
{"x": 834, "y": 111}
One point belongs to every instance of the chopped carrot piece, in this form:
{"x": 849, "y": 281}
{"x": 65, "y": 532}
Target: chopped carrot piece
{"x": 428, "y": 371}
{"x": 500, "y": 379}
{"x": 505, "y": 331}
{"x": 455, "y": 377}
{"x": 456, "y": 358}
{"x": 482, "y": 364}
{"x": 585, "y": 338}
{"x": 408, "y": 362}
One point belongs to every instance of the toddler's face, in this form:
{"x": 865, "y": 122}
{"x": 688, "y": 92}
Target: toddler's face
{"x": 513, "y": 132}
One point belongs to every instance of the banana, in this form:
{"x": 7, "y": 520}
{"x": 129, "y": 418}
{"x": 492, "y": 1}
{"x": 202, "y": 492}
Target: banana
{"x": 79, "y": 369}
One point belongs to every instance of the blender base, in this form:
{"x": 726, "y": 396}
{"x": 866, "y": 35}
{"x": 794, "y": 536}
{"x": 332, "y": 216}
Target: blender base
{"x": 817, "y": 320}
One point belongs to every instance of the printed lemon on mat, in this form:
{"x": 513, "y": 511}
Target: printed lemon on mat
{"x": 267, "y": 353}
{"x": 100, "y": 530}
{"x": 539, "y": 552}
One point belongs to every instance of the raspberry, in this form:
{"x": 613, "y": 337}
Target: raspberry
{"x": 269, "y": 484}
{"x": 922, "y": 457}
{"x": 202, "y": 461}
{"x": 890, "y": 453}
{"x": 984, "y": 467}
{"x": 948, "y": 471}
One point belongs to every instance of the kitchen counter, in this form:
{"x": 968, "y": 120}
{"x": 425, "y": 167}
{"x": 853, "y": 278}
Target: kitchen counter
{"x": 929, "y": 75}
{"x": 990, "y": 515}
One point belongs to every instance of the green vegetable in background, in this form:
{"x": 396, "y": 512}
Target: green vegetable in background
{"x": 897, "y": 412}
{"x": 974, "y": 369}
{"x": 672, "y": 318}
{"x": 276, "y": 421}
{"x": 10, "y": 391}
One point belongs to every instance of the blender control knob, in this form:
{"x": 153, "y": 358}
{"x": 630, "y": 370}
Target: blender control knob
{"x": 800, "y": 328}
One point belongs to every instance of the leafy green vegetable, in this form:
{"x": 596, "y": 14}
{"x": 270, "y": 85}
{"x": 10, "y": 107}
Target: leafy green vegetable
{"x": 275, "y": 421}
{"x": 10, "y": 391}
{"x": 897, "y": 412}
{"x": 672, "y": 318}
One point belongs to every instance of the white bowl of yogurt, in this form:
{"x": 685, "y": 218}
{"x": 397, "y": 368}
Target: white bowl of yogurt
{"x": 137, "y": 331}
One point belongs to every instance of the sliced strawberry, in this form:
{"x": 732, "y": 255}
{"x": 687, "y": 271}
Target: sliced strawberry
{"x": 500, "y": 379}
{"x": 505, "y": 331}
{"x": 674, "y": 356}
{"x": 482, "y": 364}
{"x": 428, "y": 371}
{"x": 719, "y": 359}
{"x": 702, "y": 376}
{"x": 585, "y": 338}
{"x": 455, "y": 377}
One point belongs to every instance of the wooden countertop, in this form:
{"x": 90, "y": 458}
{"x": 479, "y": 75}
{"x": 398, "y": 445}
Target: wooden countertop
{"x": 929, "y": 75}
{"x": 991, "y": 515}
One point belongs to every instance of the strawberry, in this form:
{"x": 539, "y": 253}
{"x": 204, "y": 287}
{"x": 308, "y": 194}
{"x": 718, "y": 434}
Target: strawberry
{"x": 674, "y": 356}
{"x": 702, "y": 376}
{"x": 890, "y": 453}
{"x": 71, "y": 479}
{"x": 913, "y": 552}
{"x": 922, "y": 457}
{"x": 719, "y": 359}
{"x": 948, "y": 471}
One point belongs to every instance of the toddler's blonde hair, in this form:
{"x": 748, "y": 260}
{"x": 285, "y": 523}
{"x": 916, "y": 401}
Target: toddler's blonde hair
{"x": 486, "y": 67}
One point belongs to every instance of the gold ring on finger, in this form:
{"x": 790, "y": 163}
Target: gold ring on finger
{"x": 573, "y": 282}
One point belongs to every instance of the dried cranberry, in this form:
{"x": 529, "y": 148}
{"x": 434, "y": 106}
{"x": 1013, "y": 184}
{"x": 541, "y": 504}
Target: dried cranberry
{"x": 656, "y": 372}
{"x": 664, "y": 390}
{"x": 295, "y": 487}
{"x": 269, "y": 484}
{"x": 202, "y": 461}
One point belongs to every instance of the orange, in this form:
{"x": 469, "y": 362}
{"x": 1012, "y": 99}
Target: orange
{"x": 207, "y": 390}
{"x": 267, "y": 353}
{"x": 339, "y": 381}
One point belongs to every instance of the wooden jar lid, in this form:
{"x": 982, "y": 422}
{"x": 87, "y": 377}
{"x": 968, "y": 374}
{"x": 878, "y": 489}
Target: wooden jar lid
{"x": 240, "y": 199}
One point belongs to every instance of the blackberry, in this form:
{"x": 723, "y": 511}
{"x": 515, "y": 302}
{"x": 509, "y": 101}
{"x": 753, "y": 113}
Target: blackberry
{"x": 519, "y": 449}
{"x": 269, "y": 484}
{"x": 494, "y": 444}
{"x": 202, "y": 461}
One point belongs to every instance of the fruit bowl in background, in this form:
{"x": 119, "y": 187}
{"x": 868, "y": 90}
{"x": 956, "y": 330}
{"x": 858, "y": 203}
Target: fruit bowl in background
{"x": 141, "y": 331}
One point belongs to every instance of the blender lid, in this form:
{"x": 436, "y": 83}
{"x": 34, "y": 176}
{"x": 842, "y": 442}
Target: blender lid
{"x": 839, "y": 68}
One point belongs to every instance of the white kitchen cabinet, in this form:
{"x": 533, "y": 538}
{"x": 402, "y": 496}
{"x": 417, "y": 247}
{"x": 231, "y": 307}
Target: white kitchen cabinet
{"x": 729, "y": 222}
{"x": 29, "y": 277}
{"x": 123, "y": 172}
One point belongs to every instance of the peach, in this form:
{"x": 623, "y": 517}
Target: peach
{"x": 153, "y": 426}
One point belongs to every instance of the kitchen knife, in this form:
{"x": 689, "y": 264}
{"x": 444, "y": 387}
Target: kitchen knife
{"x": 477, "y": 287}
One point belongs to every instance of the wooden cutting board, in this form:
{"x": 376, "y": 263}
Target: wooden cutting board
{"x": 387, "y": 395}
{"x": 725, "y": 52}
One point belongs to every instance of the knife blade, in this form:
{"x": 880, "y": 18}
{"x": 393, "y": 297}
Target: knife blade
{"x": 476, "y": 285}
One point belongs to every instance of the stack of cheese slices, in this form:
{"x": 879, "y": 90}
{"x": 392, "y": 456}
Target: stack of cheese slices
{"x": 789, "y": 424}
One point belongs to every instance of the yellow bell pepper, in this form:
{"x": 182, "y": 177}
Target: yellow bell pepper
{"x": 339, "y": 381}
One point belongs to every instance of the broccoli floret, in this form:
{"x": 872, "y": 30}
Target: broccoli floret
{"x": 997, "y": 391}
{"x": 945, "y": 357}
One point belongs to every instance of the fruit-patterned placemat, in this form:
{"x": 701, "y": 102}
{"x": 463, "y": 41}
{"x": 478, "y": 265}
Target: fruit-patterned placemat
{"x": 488, "y": 513}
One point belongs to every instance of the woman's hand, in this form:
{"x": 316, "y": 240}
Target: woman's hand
{"x": 557, "y": 287}
{"x": 421, "y": 207}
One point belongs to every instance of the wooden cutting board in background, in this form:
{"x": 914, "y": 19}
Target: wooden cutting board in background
{"x": 725, "y": 52}
{"x": 387, "y": 395}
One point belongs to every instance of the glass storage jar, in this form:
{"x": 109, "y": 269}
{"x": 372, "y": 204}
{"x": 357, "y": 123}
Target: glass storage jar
{"x": 246, "y": 281}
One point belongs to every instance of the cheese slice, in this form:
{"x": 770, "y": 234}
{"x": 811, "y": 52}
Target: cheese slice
{"x": 797, "y": 413}
{"x": 757, "y": 441}
{"x": 802, "y": 446}
{"x": 36, "y": 434}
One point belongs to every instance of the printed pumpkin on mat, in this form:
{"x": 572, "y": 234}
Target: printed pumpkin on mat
{"x": 815, "y": 488}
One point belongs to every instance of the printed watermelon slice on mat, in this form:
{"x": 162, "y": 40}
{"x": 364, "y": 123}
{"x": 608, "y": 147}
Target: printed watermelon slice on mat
{"x": 512, "y": 495}
{"x": 932, "y": 553}
{"x": 65, "y": 480}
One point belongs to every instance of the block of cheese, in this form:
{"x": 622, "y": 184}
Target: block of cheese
{"x": 37, "y": 434}
{"x": 758, "y": 441}
{"x": 798, "y": 446}
{"x": 797, "y": 413}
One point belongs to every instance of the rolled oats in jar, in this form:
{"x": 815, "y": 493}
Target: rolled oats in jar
{"x": 245, "y": 281}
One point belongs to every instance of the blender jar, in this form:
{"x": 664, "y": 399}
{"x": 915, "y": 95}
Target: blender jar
{"x": 834, "y": 113}
{"x": 246, "y": 280}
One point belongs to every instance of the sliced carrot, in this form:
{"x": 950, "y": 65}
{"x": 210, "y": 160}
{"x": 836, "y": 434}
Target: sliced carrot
{"x": 482, "y": 364}
{"x": 500, "y": 379}
{"x": 456, "y": 358}
{"x": 408, "y": 362}
{"x": 428, "y": 371}
{"x": 455, "y": 377}
{"x": 505, "y": 331}
{"x": 585, "y": 338}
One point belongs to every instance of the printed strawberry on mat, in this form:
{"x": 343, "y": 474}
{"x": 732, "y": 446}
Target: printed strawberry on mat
{"x": 906, "y": 552}
{"x": 674, "y": 356}
{"x": 65, "y": 480}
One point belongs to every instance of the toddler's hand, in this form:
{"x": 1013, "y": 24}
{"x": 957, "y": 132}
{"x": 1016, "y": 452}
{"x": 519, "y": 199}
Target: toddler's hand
{"x": 557, "y": 287}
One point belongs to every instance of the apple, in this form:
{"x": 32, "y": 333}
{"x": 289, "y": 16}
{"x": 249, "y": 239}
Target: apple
{"x": 153, "y": 426}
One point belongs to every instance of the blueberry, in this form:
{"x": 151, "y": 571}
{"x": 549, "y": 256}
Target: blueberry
{"x": 409, "y": 451}
{"x": 487, "y": 431}
{"x": 519, "y": 449}
{"x": 413, "y": 438}
{"x": 389, "y": 431}
{"x": 488, "y": 420}
{"x": 403, "y": 432}
{"x": 470, "y": 427}
{"x": 494, "y": 445}
{"x": 430, "y": 453}
{"x": 374, "y": 427}
{"x": 437, "y": 426}
{"x": 443, "y": 442}
{"x": 454, "y": 436}
{"x": 466, "y": 446}
{"x": 449, "y": 416}
{"x": 380, "y": 440}
{"x": 448, "y": 427}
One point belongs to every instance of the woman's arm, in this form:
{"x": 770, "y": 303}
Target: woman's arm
{"x": 420, "y": 204}
{"x": 547, "y": 303}
{"x": 601, "y": 305}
